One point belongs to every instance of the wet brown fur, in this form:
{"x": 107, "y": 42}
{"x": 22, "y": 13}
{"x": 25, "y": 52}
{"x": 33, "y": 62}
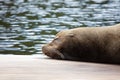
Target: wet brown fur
{"x": 96, "y": 44}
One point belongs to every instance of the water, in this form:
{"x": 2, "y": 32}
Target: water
{"x": 26, "y": 25}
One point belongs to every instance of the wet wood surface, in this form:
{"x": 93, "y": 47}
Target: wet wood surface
{"x": 36, "y": 67}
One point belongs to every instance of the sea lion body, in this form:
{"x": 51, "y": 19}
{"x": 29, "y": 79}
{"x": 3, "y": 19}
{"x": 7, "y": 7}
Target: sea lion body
{"x": 96, "y": 44}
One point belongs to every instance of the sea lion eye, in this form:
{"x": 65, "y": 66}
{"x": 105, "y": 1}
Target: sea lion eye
{"x": 56, "y": 38}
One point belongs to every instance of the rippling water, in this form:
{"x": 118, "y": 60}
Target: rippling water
{"x": 25, "y": 25}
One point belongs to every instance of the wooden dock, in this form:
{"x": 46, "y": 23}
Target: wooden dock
{"x": 37, "y": 67}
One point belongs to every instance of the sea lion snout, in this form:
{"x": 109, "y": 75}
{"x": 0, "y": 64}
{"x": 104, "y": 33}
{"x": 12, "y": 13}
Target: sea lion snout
{"x": 52, "y": 52}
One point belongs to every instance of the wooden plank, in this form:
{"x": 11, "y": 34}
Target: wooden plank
{"x": 37, "y": 67}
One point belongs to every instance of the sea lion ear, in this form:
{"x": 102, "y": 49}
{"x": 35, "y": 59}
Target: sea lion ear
{"x": 71, "y": 35}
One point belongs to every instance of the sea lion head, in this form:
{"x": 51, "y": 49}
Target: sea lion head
{"x": 56, "y": 49}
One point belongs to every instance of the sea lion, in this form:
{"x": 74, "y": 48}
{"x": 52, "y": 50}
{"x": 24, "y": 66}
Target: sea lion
{"x": 96, "y": 44}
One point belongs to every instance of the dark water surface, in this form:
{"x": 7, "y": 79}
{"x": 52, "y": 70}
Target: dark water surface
{"x": 25, "y": 25}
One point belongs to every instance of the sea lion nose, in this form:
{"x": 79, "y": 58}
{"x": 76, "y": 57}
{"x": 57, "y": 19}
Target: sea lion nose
{"x": 44, "y": 49}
